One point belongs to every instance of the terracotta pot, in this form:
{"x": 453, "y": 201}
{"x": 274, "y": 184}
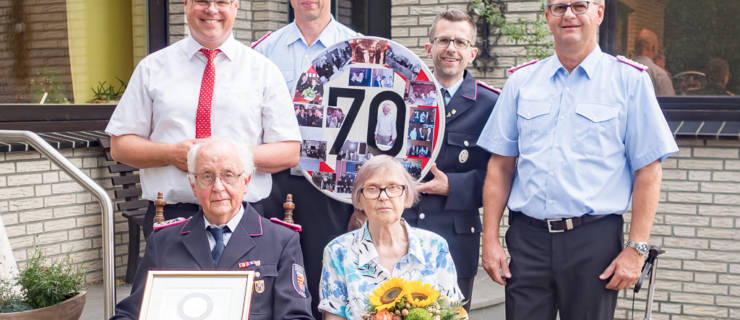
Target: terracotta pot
{"x": 69, "y": 309}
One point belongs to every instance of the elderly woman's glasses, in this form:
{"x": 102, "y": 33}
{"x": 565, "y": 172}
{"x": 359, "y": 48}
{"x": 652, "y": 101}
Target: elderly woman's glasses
{"x": 207, "y": 179}
{"x": 219, "y": 3}
{"x": 559, "y": 9}
{"x": 373, "y": 192}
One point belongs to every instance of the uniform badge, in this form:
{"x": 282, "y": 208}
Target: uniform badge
{"x": 299, "y": 280}
{"x": 463, "y": 156}
{"x": 259, "y": 286}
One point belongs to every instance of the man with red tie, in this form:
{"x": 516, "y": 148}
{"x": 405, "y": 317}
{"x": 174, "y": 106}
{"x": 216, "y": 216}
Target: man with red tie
{"x": 208, "y": 84}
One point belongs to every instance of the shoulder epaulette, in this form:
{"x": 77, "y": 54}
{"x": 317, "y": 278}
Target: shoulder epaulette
{"x": 291, "y": 226}
{"x": 485, "y": 85}
{"x": 630, "y": 62}
{"x": 523, "y": 65}
{"x": 254, "y": 44}
{"x": 169, "y": 223}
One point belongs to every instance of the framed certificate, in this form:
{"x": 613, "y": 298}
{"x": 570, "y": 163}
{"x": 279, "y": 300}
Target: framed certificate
{"x": 197, "y": 295}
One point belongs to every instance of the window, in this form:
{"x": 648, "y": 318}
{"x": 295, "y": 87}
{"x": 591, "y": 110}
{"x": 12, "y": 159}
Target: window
{"x": 691, "y": 47}
{"x": 60, "y": 51}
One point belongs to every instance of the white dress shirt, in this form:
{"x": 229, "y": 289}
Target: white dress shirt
{"x": 386, "y": 125}
{"x": 250, "y": 101}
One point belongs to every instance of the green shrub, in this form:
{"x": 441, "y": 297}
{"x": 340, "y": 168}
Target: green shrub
{"x": 47, "y": 283}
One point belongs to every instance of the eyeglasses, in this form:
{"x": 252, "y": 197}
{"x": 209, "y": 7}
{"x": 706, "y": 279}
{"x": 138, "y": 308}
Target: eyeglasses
{"x": 219, "y": 3}
{"x": 559, "y": 9}
{"x": 444, "y": 42}
{"x": 207, "y": 179}
{"x": 373, "y": 192}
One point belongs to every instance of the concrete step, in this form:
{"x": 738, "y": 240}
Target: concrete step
{"x": 488, "y": 298}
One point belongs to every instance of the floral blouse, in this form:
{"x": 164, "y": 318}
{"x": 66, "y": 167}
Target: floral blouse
{"x": 352, "y": 269}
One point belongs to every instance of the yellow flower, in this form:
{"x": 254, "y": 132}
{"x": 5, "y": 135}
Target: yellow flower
{"x": 390, "y": 292}
{"x": 420, "y": 294}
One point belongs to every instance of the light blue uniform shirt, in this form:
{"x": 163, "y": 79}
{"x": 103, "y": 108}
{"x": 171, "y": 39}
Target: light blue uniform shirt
{"x": 288, "y": 49}
{"x": 579, "y": 137}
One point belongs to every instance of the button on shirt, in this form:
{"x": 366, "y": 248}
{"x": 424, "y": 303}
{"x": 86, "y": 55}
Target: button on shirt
{"x": 579, "y": 137}
{"x": 250, "y": 100}
{"x": 352, "y": 270}
{"x": 299, "y": 55}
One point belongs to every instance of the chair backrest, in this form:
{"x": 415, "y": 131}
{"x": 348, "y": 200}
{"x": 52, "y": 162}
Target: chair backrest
{"x": 127, "y": 192}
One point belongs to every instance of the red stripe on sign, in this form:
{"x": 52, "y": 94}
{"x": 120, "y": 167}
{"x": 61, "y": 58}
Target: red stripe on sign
{"x": 323, "y": 167}
{"x": 422, "y": 76}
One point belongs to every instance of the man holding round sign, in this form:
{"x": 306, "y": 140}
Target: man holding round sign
{"x": 452, "y": 195}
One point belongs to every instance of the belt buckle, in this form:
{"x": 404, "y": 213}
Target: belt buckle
{"x": 549, "y": 226}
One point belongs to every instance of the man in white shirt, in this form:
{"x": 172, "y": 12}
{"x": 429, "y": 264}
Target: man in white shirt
{"x": 385, "y": 130}
{"x": 205, "y": 80}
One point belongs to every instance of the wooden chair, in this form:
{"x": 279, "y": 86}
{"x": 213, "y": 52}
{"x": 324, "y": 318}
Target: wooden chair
{"x": 127, "y": 193}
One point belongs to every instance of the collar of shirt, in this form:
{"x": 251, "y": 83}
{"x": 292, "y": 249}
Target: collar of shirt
{"x": 588, "y": 65}
{"x": 324, "y": 39}
{"x": 228, "y": 48}
{"x": 370, "y": 255}
{"x": 232, "y": 224}
{"x": 453, "y": 88}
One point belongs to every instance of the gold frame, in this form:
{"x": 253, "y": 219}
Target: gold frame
{"x": 152, "y": 274}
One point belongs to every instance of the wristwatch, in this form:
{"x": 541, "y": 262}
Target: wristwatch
{"x": 641, "y": 247}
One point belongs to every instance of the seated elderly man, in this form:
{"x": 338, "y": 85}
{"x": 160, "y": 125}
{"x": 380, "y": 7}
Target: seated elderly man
{"x": 227, "y": 234}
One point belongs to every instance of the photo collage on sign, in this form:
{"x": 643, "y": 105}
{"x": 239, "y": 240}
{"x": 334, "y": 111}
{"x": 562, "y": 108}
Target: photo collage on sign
{"x": 413, "y": 166}
{"x": 374, "y": 66}
{"x": 349, "y": 159}
{"x": 309, "y": 89}
{"x": 332, "y": 62}
{"x": 421, "y": 132}
{"x": 423, "y": 93}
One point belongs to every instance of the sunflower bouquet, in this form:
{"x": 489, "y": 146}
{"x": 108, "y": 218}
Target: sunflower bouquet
{"x": 398, "y": 299}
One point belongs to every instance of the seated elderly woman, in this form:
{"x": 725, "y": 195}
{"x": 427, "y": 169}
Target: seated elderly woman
{"x": 359, "y": 261}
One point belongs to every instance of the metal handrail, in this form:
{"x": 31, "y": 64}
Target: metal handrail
{"x": 103, "y": 199}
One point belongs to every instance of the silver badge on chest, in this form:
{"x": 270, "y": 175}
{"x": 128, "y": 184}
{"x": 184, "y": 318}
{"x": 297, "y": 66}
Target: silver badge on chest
{"x": 463, "y": 156}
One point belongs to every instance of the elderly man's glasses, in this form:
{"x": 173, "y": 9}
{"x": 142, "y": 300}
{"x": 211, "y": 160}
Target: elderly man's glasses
{"x": 373, "y": 192}
{"x": 219, "y": 3}
{"x": 207, "y": 179}
{"x": 559, "y": 9}
{"x": 444, "y": 42}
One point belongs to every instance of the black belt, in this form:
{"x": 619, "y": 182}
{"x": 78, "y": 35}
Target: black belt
{"x": 556, "y": 225}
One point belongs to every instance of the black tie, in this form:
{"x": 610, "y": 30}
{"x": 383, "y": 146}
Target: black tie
{"x": 218, "y": 235}
{"x": 446, "y": 96}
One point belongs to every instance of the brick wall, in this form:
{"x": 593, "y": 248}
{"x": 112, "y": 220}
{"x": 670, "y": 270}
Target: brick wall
{"x": 697, "y": 224}
{"x": 41, "y": 206}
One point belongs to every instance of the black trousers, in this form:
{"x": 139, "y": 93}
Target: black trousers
{"x": 559, "y": 272}
{"x": 466, "y": 287}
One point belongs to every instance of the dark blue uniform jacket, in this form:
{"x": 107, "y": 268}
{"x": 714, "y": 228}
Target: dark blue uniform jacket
{"x": 455, "y": 217}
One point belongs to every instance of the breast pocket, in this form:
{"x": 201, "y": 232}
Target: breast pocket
{"x": 461, "y": 151}
{"x": 262, "y": 292}
{"x": 533, "y": 118}
{"x": 596, "y": 129}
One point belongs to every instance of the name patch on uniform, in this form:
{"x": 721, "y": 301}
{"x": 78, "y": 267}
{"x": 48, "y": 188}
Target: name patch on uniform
{"x": 299, "y": 280}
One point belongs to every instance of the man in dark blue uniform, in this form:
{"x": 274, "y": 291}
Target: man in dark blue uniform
{"x": 450, "y": 200}
{"x": 227, "y": 234}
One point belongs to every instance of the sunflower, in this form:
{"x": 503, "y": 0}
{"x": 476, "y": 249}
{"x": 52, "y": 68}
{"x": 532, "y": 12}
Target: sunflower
{"x": 420, "y": 294}
{"x": 386, "y": 296}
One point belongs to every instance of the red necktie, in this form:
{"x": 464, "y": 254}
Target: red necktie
{"x": 203, "y": 115}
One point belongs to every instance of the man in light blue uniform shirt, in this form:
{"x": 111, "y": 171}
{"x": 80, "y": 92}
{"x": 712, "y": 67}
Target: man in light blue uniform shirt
{"x": 292, "y": 48}
{"x": 574, "y": 139}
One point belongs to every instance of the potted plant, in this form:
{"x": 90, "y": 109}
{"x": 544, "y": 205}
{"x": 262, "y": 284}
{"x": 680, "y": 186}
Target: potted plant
{"x": 44, "y": 290}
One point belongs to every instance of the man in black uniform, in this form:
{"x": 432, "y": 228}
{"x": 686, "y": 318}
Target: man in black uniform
{"x": 450, "y": 200}
{"x": 227, "y": 234}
